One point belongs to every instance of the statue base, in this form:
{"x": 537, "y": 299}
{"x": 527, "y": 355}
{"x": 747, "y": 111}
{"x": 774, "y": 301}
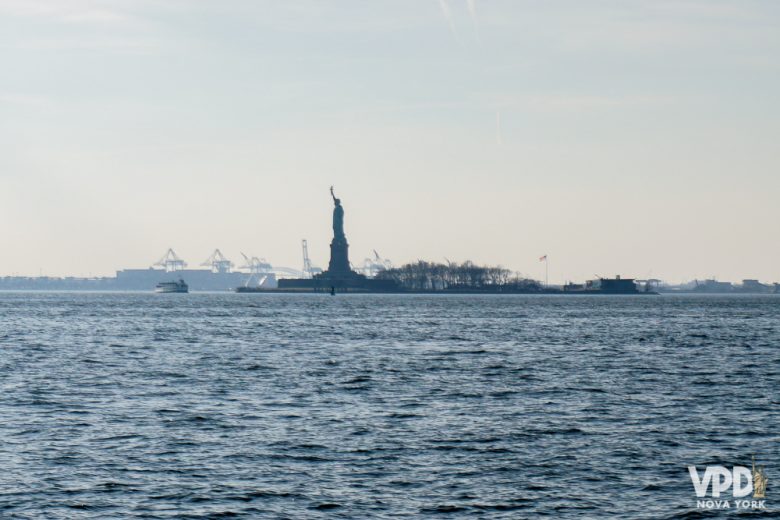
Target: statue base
{"x": 344, "y": 281}
{"x": 339, "y": 257}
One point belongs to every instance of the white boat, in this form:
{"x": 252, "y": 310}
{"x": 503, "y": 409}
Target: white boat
{"x": 172, "y": 287}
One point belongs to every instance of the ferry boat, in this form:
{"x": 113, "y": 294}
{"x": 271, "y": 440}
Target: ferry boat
{"x": 172, "y": 287}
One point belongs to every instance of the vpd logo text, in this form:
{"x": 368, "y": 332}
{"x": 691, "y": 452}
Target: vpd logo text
{"x": 741, "y": 481}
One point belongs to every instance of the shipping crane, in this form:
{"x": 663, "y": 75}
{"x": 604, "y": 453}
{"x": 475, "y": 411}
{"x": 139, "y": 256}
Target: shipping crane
{"x": 255, "y": 265}
{"x": 258, "y": 268}
{"x": 306, "y": 261}
{"x": 171, "y": 262}
{"x": 308, "y": 270}
{"x": 218, "y": 262}
{"x": 372, "y": 266}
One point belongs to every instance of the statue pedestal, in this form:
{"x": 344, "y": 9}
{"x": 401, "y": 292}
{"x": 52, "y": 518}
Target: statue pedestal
{"x": 339, "y": 257}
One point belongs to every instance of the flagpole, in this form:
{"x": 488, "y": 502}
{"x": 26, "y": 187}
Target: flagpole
{"x": 546, "y": 271}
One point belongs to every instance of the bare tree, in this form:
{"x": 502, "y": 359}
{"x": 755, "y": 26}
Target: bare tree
{"x": 465, "y": 277}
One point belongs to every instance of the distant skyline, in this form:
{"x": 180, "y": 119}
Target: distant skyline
{"x": 618, "y": 137}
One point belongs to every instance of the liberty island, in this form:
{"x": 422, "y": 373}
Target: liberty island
{"x": 340, "y": 276}
{"x": 427, "y": 277}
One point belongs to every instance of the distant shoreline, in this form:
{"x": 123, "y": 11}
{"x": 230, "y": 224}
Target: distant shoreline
{"x": 399, "y": 293}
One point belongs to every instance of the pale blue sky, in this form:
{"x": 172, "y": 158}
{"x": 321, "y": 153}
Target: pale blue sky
{"x": 636, "y": 137}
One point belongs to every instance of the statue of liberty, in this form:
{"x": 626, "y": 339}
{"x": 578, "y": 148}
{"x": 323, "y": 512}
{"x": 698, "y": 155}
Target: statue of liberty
{"x": 759, "y": 480}
{"x": 339, "y": 248}
{"x": 338, "y": 217}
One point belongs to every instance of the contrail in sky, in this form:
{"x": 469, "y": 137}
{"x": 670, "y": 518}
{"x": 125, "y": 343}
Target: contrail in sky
{"x": 472, "y": 5}
{"x": 445, "y": 9}
{"x": 499, "y": 137}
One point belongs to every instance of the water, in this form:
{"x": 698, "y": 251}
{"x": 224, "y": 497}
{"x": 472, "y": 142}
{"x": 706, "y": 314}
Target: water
{"x": 309, "y": 406}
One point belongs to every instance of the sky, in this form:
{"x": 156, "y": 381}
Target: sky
{"x": 632, "y": 137}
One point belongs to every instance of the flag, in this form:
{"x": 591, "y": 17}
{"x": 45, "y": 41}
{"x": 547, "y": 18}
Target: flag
{"x": 543, "y": 258}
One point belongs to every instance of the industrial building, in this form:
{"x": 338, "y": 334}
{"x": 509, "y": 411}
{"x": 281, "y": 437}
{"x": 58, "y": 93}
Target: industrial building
{"x": 615, "y": 285}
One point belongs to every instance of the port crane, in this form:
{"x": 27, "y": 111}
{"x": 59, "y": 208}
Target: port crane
{"x": 218, "y": 262}
{"x": 306, "y": 261}
{"x": 171, "y": 261}
{"x": 308, "y": 270}
{"x": 258, "y": 267}
{"x": 372, "y": 266}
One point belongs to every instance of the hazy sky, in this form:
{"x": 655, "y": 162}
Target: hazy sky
{"x": 637, "y": 137}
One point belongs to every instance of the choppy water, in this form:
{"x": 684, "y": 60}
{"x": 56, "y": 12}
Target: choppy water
{"x": 309, "y": 406}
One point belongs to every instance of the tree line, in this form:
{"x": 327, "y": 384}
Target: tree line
{"x": 467, "y": 276}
